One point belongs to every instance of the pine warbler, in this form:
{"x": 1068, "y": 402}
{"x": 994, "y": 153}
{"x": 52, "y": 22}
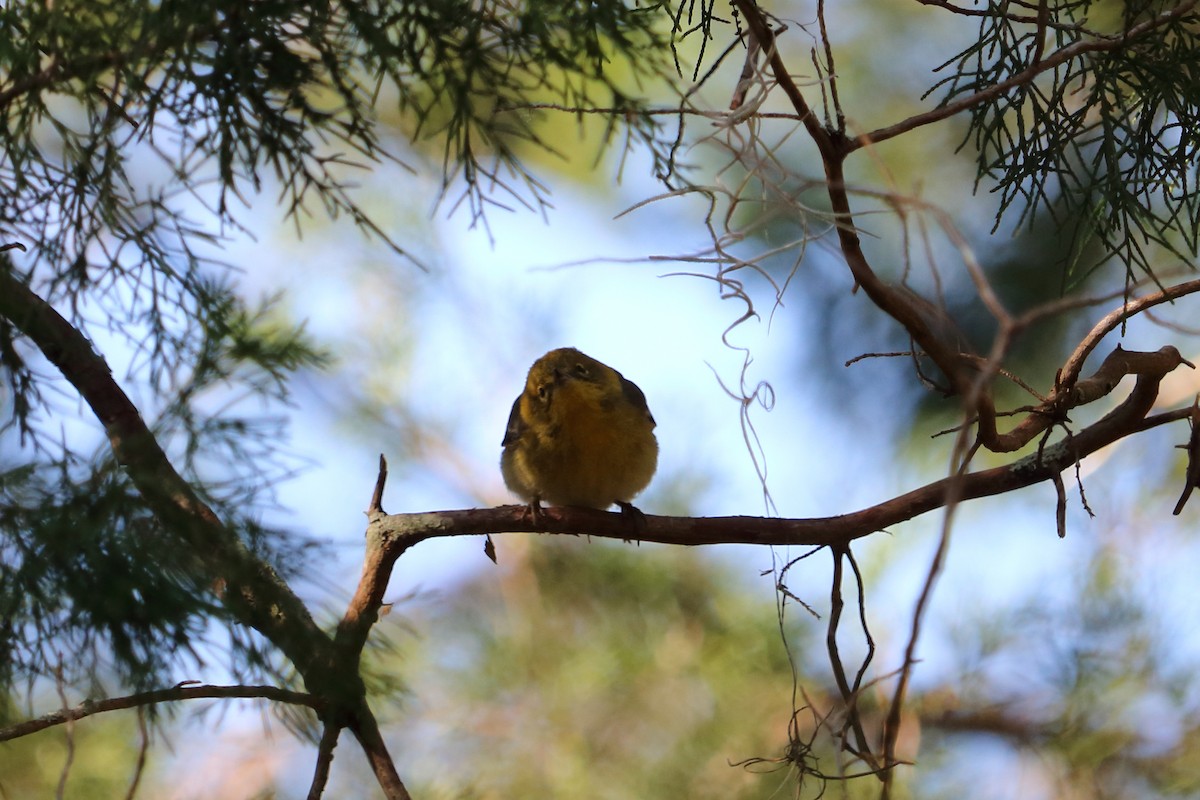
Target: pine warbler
{"x": 579, "y": 435}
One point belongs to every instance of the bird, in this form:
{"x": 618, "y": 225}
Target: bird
{"x": 580, "y": 434}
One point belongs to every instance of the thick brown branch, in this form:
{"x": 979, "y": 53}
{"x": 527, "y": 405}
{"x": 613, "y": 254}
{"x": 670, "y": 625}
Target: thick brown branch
{"x": 174, "y": 694}
{"x": 366, "y": 730}
{"x": 834, "y": 147}
{"x": 1074, "y": 364}
{"x": 362, "y": 613}
{"x": 1119, "y": 364}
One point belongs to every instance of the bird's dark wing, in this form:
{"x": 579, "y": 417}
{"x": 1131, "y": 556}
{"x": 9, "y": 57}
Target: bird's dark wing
{"x": 634, "y": 395}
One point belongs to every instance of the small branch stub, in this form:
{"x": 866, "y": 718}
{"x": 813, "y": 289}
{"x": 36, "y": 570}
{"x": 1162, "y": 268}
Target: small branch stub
{"x": 376, "y": 506}
{"x": 1193, "y": 455}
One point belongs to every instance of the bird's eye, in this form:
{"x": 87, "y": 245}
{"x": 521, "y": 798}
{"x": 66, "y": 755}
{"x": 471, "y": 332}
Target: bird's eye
{"x": 542, "y": 391}
{"x": 581, "y": 370}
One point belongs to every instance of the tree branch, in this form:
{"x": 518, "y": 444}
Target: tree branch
{"x": 853, "y": 720}
{"x": 922, "y": 321}
{"x": 1026, "y": 75}
{"x": 1074, "y": 364}
{"x": 903, "y": 306}
{"x": 329, "y": 739}
{"x": 174, "y": 694}
{"x": 765, "y": 36}
{"x": 1031, "y": 19}
{"x": 366, "y": 729}
{"x": 250, "y": 588}
{"x": 397, "y": 532}
{"x": 1065, "y": 397}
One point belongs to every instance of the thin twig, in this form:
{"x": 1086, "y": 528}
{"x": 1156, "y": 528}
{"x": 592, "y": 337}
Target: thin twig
{"x": 329, "y": 739}
{"x": 991, "y": 11}
{"x": 862, "y": 620}
{"x": 1060, "y": 506}
{"x": 1055, "y": 59}
{"x": 69, "y": 732}
{"x": 89, "y": 707}
{"x": 376, "y": 505}
{"x": 139, "y": 766}
{"x": 839, "y": 124}
{"x": 1074, "y": 364}
{"x": 852, "y": 722}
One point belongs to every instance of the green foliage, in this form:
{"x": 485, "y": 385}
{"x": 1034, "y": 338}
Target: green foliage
{"x": 469, "y": 73}
{"x": 87, "y": 569}
{"x": 84, "y": 570}
{"x": 1088, "y": 687}
{"x": 96, "y": 759}
{"x": 1106, "y": 141}
{"x": 211, "y": 100}
{"x": 604, "y": 671}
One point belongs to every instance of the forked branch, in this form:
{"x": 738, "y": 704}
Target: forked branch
{"x": 250, "y": 587}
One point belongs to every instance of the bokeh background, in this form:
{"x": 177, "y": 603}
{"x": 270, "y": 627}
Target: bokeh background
{"x": 578, "y": 668}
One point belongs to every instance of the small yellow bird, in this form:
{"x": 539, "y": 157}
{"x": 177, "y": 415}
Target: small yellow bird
{"x": 579, "y": 435}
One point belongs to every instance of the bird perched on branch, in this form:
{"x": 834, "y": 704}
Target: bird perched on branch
{"x": 580, "y": 434}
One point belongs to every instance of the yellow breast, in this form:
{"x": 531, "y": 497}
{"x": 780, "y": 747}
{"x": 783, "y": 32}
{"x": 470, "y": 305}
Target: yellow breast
{"x": 598, "y": 450}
